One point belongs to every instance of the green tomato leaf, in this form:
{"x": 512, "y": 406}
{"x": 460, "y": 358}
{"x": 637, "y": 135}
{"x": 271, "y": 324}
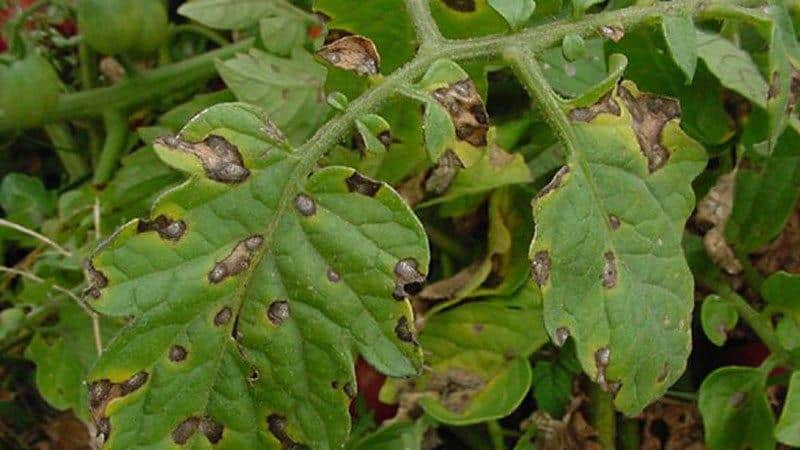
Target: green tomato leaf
{"x": 573, "y": 47}
{"x": 281, "y": 34}
{"x": 787, "y": 431}
{"x": 26, "y": 201}
{"x": 228, "y": 14}
{"x": 573, "y": 78}
{"x": 766, "y": 190}
{"x": 63, "y": 354}
{"x": 516, "y": 12}
{"x": 251, "y": 289}
{"x": 479, "y": 351}
{"x": 732, "y": 66}
{"x": 403, "y": 435}
{"x": 552, "y": 386}
{"x": 782, "y": 291}
{"x": 375, "y": 132}
{"x": 718, "y": 318}
{"x": 679, "y": 33}
{"x": 735, "y": 410}
{"x": 471, "y": 18}
{"x": 289, "y": 90}
{"x": 608, "y": 234}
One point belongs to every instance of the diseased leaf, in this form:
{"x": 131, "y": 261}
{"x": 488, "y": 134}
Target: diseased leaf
{"x": 516, "y": 12}
{"x": 458, "y": 19}
{"x": 787, "y": 430}
{"x": 289, "y": 90}
{"x": 374, "y": 131}
{"x": 718, "y": 318}
{"x": 766, "y": 190}
{"x": 228, "y": 14}
{"x": 63, "y": 354}
{"x": 733, "y": 66}
{"x": 679, "y": 33}
{"x": 608, "y": 234}
{"x": 252, "y": 289}
{"x": 736, "y": 414}
{"x": 479, "y": 350}
{"x": 354, "y": 53}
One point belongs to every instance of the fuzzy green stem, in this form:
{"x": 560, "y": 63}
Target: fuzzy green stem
{"x": 603, "y": 417}
{"x": 424, "y": 25}
{"x": 67, "y": 150}
{"x": 757, "y": 322}
{"x": 496, "y": 435}
{"x": 116, "y": 137}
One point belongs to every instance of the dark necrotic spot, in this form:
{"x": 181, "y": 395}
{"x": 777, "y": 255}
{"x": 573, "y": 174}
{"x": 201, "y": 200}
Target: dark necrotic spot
{"x": 277, "y": 426}
{"x": 332, "y": 275}
{"x": 223, "y": 316}
{"x": 362, "y": 185}
{"x": 211, "y": 429}
{"x": 737, "y": 399}
{"x": 540, "y": 267}
{"x": 386, "y": 138}
{"x": 220, "y": 159}
{"x": 335, "y": 384}
{"x": 168, "y": 229}
{"x": 305, "y": 205}
{"x": 650, "y": 114}
{"x": 403, "y": 331}
{"x": 606, "y": 105}
{"x": 350, "y": 390}
{"x": 554, "y": 184}
{"x": 103, "y": 429}
{"x": 97, "y": 280}
{"x": 177, "y": 353}
{"x": 135, "y": 382}
{"x": 254, "y": 375}
{"x": 562, "y": 334}
{"x": 609, "y": 270}
{"x": 461, "y": 5}
{"x": 237, "y": 261}
{"x": 185, "y": 430}
{"x": 278, "y": 312}
{"x": 613, "y": 222}
{"x": 408, "y": 279}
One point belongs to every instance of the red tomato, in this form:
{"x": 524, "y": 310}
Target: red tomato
{"x": 369, "y": 383}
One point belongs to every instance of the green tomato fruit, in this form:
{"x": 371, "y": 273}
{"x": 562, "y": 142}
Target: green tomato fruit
{"x": 123, "y": 26}
{"x": 29, "y": 90}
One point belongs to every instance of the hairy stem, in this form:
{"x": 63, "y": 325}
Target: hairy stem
{"x": 116, "y": 136}
{"x": 424, "y": 25}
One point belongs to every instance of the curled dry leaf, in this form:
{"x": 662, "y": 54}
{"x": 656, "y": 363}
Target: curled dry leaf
{"x": 714, "y": 209}
{"x": 355, "y": 53}
{"x": 672, "y": 426}
{"x": 572, "y": 432}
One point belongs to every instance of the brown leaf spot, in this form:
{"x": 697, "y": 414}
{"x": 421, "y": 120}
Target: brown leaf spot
{"x": 211, "y": 429}
{"x": 185, "y": 430}
{"x": 464, "y": 6}
{"x": 606, "y": 105}
{"x": 650, "y": 113}
{"x": 277, "y": 426}
{"x": 737, "y": 399}
{"x": 562, "y": 334}
{"x": 602, "y": 358}
{"x": 540, "y": 267}
{"x": 662, "y": 376}
{"x": 305, "y": 205}
{"x": 278, "y": 312}
{"x": 456, "y": 388}
{"x": 362, "y": 185}
{"x": 613, "y": 222}
{"x": 350, "y": 390}
{"x": 220, "y": 159}
{"x": 714, "y": 209}
{"x": 332, "y": 275}
{"x": 354, "y": 53}
{"x": 97, "y": 281}
{"x": 442, "y": 175}
{"x": 554, "y": 184}
{"x": 254, "y": 375}
{"x": 335, "y": 384}
{"x": 223, "y": 316}
{"x": 466, "y": 109}
{"x": 177, "y": 353}
{"x": 609, "y": 275}
{"x": 103, "y": 392}
{"x": 774, "y": 86}
{"x": 168, "y": 229}
{"x": 613, "y": 32}
{"x": 403, "y": 331}
{"x": 237, "y": 261}
{"x": 408, "y": 280}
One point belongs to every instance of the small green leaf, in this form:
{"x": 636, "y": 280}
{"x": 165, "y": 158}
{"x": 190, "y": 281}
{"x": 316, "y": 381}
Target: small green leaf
{"x": 25, "y": 200}
{"x": 733, "y": 66}
{"x": 403, "y": 435}
{"x": 573, "y": 47}
{"x": 552, "y": 386}
{"x": 735, "y": 410}
{"x": 679, "y": 33}
{"x": 63, "y": 354}
{"x": 439, "y": 130}
{"x": 787, "y": 431}
{"x": 571, "y": 79}
{"x": 338, "y": 101}
{"x": 788, "y": 332}
{"x": 228, "y": 14}
{"x": 252, "y": 287}
{"x": 516, "y": 12}
{"x": 289, "y": 90}
{"x": 11, "y": 322}
{"x": 481, "y": 348}
{"x": 281, "y": 34}
{"x": 375, "y": 132}
{"x": 718, "y": 318}
{"x": 782, "y": 291}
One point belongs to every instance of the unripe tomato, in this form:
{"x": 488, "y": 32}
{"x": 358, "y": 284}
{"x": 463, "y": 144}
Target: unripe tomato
{"x": 123, "y": 26}
{"x": 29, "y": 90}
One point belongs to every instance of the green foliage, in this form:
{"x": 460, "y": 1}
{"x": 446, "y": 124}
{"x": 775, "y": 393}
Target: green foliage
{"x": 718, "y": 318}
{"x": 123, "y": 26}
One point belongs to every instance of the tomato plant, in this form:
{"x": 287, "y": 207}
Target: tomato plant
{"x": 400, "y": 224}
